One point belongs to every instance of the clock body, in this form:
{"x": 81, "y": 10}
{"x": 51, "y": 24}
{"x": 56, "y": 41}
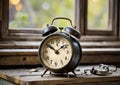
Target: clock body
{"x": 60, "y": 53}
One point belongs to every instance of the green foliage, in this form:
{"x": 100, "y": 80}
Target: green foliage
{"x": 45, "y": 11}
{"x": 97, "y": 14}
{"x": 41, "y": 13}
{"x": 21, "y": 20}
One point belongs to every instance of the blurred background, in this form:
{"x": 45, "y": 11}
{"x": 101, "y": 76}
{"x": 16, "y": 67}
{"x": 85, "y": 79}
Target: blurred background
{"x": 37, "y": 13}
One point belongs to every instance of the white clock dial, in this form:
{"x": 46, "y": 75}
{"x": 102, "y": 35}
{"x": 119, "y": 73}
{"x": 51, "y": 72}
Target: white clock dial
{"x": 56, "y": 52}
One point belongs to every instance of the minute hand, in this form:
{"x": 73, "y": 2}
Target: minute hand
{"x": 63, "y": 46}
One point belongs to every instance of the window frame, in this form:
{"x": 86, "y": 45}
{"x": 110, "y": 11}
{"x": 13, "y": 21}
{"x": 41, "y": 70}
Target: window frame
{"x": 0, "y": 10}
{"x": 80, "y": 20}
{"x": 119, "y": 18}
{"x": 4, "y": 19}
{"x": 81, "y": 14}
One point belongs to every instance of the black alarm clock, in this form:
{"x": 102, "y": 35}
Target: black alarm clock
{"x": 60, "y": 51}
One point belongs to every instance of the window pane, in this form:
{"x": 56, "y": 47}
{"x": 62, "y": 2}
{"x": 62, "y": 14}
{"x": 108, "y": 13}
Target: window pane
{"x": 38, "y": 13}
{"x": 98, "y": 14}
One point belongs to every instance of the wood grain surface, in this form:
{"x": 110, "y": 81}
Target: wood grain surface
{"x": 26, "y": 77}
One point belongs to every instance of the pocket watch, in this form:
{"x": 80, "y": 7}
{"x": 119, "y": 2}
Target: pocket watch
{"x": 101, "y": 70}
{"x": 60, "y": 52}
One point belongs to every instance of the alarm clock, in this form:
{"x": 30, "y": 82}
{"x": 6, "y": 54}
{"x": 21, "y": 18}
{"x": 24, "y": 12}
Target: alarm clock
{"x": 60, "y": 51}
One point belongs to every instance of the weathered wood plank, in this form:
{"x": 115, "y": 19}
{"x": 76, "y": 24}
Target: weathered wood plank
{"x": 27, "y": 38}
{"x": 102, "y": 44}
{"x": 28, "y": 30}
{"x": 25, "y": 77}
{"x": 101, "y": 51}
{"x": 72, "y": 83}
{"x": 83, "y": 38}
{"x": 0, "y": 30}
{"x": 19, "y": 44}
{"x": 18, "y": 52}
{"x": 25, "y": 35}
{"x": 85, "y": 51}
{"x": 100, "y": 58}
{"x": 5, "y": 82}
{"x": 35, "y": 44}
{"x": 34, "y": 59}
{"x": 19, "y": 60}
{"x": 30, "y": 56}
{"x": 98, "y": 38}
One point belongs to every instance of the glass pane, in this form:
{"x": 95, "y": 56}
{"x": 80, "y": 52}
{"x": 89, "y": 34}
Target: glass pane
{"x": 98, "y": 14}
{"x": 38, "y": 13}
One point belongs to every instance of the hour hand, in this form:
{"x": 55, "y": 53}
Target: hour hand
{"x": 56, "y": 51}
{"x": 50, "y": 47}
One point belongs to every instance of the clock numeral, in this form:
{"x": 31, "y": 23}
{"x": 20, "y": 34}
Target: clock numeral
{"x": 47, "y": 45}
{"x": 45, "y": 51}
{"x": 66, "y": 58}
{"x": 51, "y": 61}
{"x": 56, "y": 44}
{"x": 67, "y": 52}
{"x": 57, "y": 41}
{"x": 46, "y": 58}
{"x": 62, "y": 42}
{"x": 52, "y": 42}
{"x": 56, "y": 63}
{"x": 61, "y": 62}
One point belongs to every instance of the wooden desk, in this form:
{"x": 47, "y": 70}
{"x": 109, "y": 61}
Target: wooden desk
{"x": 25, "y": 77}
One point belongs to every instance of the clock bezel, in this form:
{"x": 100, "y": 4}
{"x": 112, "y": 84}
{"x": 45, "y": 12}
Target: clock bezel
{"x": 76, "y": 53}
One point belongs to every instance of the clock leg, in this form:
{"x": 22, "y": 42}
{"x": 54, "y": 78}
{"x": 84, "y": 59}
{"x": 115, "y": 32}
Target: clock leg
{"x": 67, "y": 74}
{"x": 50, "y": 73}
{"x": 74, "y": 73}
{"x": 44, "y": 72}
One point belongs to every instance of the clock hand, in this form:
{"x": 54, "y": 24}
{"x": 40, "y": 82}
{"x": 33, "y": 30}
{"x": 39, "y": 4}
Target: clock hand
{"x": 63, "y": 46}
{"x": 51, "y": 47}
{"x": 56, "y": 51}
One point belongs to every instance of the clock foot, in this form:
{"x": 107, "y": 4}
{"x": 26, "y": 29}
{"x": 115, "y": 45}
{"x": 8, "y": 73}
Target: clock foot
{"x": 44, "y": 72}
{"x": 67, "y": 74}
{"x": 74, "y": 73}
{"x": 50, "y": 73}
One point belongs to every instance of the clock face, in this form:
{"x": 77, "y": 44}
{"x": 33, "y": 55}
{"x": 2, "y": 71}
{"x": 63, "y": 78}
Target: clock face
{"x": 56, "y": 52}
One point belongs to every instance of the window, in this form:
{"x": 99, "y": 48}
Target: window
{"x": 105, "y": 29}
{"x": 88, "y": 12}
{"x": 38, "y": 13}
{"x": 97, "y": 17}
